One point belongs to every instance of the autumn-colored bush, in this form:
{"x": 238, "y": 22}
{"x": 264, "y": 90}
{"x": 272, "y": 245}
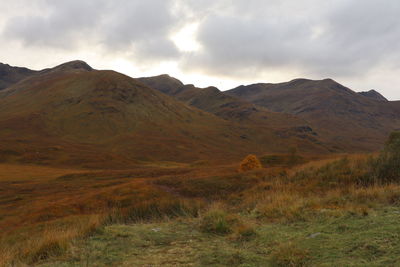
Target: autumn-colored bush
{"x": 249, "y": 163}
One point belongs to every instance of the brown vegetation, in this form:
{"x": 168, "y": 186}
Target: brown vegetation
{"x": 349, "y": 121}
{"x": 249, "y": 163}
{"x": 81, "y": 148}
{"x": 41, "y": 217}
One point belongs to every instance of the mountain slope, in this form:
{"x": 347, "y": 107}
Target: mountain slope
{"x": 73, "y": 114}
{"x": 234, "y": 109}
{"x": 374, "y": 95}
{"x": 10, "y": 75}
{"x": 350, "y": 121}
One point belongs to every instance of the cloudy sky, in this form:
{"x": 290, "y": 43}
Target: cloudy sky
{"x": 212, "y": 42}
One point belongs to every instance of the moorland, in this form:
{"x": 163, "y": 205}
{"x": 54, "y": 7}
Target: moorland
{"x": 101, "y": 169}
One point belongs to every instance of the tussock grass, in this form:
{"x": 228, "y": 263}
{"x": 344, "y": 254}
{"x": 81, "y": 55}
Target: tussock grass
{"x": 336, "y": 187}
{"x": 223, "y": 204}
{"x": 217, "y": 221}
{"x": 289, "y": 255}
{"x": 51, "y": 239}
{"x": 346, "y": 240}
{"x": 50, "y": 227}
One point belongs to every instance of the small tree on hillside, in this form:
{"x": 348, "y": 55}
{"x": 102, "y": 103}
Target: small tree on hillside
{"x": 393, "y": 143}
{"x": 386, "y": 168}
{"x": 250, "y": 162}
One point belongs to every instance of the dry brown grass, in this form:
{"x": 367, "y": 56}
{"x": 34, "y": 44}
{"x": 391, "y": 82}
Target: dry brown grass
{"x": 42, "y": 217}
{"x": 51, "y": 239}
{"x": 330, "y": 187}
{"x": 19, "y": 172}
{"x": 289, "y": 255}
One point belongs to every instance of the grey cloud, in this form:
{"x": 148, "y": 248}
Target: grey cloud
{"x": 328, "y": 38}
{"x": 348, "y": 40}
{"x": 61, "y": 24}
{"x": 119, "y": 26}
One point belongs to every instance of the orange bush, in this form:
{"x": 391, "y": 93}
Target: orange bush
{"x": 250, "y": 162}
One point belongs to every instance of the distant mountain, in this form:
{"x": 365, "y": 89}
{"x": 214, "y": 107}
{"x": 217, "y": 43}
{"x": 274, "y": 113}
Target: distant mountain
{"x": 210, "y": 99}
{"x": 75, "y": 65}
{"x": 374, "y": 95}
{"x": 163, "y": 83}
{"x": 10, "y": 75}
{"x": 74, "y": 115}
{"x": 347, "y": 119}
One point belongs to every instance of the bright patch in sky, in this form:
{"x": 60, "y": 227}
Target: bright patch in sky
{"x": 185, "y": 38}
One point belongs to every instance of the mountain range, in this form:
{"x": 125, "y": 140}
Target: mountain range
{"x": 73, "y": 114}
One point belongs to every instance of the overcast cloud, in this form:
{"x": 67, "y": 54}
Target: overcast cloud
{"x": 221, "y": 42}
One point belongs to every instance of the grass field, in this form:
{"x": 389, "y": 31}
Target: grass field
{"x": 348, "y": 240}
{"x": 317, "y": 212}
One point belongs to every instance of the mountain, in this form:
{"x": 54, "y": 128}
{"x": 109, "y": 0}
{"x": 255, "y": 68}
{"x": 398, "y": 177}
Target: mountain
{"x": 75, "y": 115}
{"x": 373, "y": 95}
{"x": 233, "y": 109}
{"x": 163, "y": 83}
{"x": 348, "y": 120}
{"x": 10, "y": 75}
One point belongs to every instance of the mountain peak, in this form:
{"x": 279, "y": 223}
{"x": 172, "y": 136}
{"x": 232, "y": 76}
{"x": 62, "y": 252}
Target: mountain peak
{"x": 10, "y": 75}
{"x": 164, "y": 83}
{"x": 373, "y": 95}
{"x": 167, "y": 77}
{"x": 212, "y": 89}
{"x": 74, "y": 65}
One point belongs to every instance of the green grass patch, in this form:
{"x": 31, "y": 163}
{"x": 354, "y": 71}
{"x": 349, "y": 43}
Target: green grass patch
{"x": 350, "y": 240}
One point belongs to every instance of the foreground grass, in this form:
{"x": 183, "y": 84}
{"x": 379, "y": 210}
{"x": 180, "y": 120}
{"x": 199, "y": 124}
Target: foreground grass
{"x": 349, "y": 240}
{"x": 272, "y": 216}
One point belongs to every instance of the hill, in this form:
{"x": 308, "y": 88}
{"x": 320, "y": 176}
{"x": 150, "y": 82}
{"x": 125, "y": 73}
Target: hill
{"x": 350, "y": 121}
{"x": 74, "y": 115}
{"x": 124, "y": 185}
{"x": 10, "y": 75}
{"x": 374, "y": 95}
{"x": 297, "y": 131}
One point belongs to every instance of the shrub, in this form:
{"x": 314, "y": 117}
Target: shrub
{"x": 249, "y": 163}
{"x": 393, "y": 143}
{"x": 217, "y": 221}
{"x": 386, "y": 167}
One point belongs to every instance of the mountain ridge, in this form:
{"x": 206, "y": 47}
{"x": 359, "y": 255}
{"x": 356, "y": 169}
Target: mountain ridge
{"x": 74, "y": 104}
{"x": 344, "y": 116}
{"x": 75, "y": 115}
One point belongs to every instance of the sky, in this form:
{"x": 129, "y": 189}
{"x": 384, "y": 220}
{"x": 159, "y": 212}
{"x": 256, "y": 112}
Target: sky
{"x": 224, "y": 43}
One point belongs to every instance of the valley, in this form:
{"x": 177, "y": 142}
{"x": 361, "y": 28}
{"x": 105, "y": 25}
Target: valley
{"x": 101, "y": 169}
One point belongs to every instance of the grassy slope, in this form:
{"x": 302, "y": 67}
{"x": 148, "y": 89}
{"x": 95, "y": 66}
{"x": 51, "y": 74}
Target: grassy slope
{"x": 310, "y": 215}
{"x": 350, "y": 240}
{"x": 105, "y": 119}
{"x": 106, "y": 113}
{"x": 264, "y": 125}
{"x": 347, "y": 119}
{"x": 10, "y": 75}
